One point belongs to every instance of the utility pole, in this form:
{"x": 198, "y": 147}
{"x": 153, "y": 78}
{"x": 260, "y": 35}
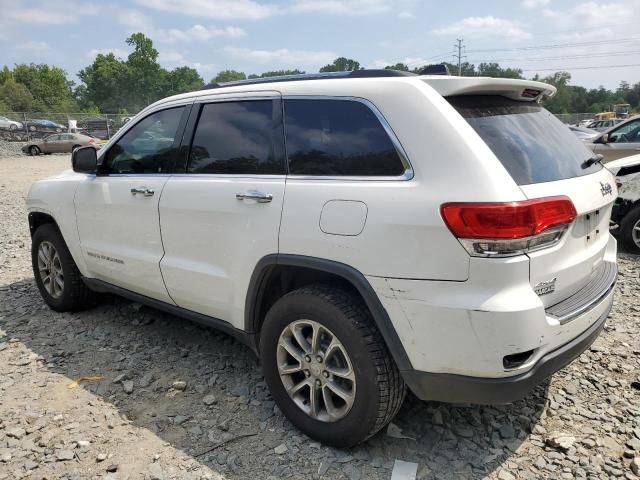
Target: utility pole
{"x": 459, "y": 55}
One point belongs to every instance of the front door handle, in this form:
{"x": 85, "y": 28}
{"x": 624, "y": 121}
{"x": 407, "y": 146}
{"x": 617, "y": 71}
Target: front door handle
{"x": 255, "y": 195}
{"x": 147, "y": 192}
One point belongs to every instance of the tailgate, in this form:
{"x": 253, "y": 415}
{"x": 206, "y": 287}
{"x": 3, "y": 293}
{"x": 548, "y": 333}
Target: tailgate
{"x": 560, "y": 271}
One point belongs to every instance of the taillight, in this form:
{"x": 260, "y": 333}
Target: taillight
{"x": 92, "y": 142}
{"x": 509, "y": 228}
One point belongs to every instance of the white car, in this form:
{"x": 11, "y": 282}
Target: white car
{"x": 8, "y": 124}
{"x": 362, "y": 232}
{"x": 626, "y": 211}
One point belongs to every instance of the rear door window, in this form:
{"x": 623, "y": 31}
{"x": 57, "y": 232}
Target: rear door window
{"x": 531, "y": 143}
{"x": 239, "y": 137}
{"x": 333, "y": 137}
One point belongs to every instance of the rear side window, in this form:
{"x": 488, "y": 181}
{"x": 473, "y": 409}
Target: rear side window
{"x": 531, "y": 143}
{"x": 243, "y": 137}
{"x": 331, "y": 137}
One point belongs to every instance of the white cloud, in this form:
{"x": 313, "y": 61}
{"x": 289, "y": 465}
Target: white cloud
{"x": 33, "y": 46}
{"x": 485, "y": 27}
{"x": 62, "y": 12}
{"x": 341, "y": 7}
{"x": 531, "y": 4}
{"x": 406, "y": 15}
{"x": 282, "y": 56}
{"x": 219, "y": 9}
{"x": 118, "y": 52}
{"x": 134, "y": 20}
{"x": 168, "y": 56}
{"x": 199, "y": 33}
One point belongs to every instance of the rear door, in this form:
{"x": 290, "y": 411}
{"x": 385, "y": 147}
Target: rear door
{"x": 222, "y": 215}
{"x": 545, "y": 159}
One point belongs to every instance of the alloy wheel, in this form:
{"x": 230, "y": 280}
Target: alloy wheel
{"x": 316, "y": 370}
{"x": 635, "y": 233}
{"x": 50, "y": 269}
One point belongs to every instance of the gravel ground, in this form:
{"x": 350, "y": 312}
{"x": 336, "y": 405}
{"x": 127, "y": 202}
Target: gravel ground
{"x": 177, "y": 401}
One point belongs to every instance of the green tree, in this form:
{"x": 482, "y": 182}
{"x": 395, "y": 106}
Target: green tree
{"x": 49, "y": 86}
{"x": 228, "y": 76}
{"x": 5, "y": 74}
{"x": 148, "y": 77}
{"x": 496, "y": 71}
{"x": 15, "y": 96}
{"x": 341, "y": 64}
{"x": 107, "y": 84}
{"x": 398, "y": 66}
{"x": 281, "y": 73}
{"x": 561, "y": 101}
{"x": 181, "y": 80}
{"x": 467, "y": 69}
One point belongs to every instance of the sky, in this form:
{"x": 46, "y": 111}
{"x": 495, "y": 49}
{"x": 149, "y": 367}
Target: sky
{"x": 260, "y": 35}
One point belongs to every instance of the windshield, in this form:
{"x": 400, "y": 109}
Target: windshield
{"x": 531, "y": 143}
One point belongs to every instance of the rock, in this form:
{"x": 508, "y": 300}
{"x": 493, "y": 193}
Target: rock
{"x": 179, "y": 385}
{"x": 634, "y": 444}
{"x": 324, "y": 467}
{"x": 155, "y": 471}
{"x": 101, "y": 457}
{"x": 506, "y": 475}
{"x": 635, "y": 466}
{"x": 146, "y": 380}
{"x": 30, "y": 465}
{"x": 83, "y": 443}
{"x": 394, "y": 431}
{"x": 210, "y": 400}
{"x": 462, "y": 431}
{"x": 437, "y": 418}
{"x": 127, "y": 386}
{"x": 507, "y": 431}
{"x": 64, "y": 455}
{"x": 281, "y": 449}
{"x": 16, "y": 433}
{"x": 561, "y": 441}
{"x": 112, "y": 468}
{"x": 120, "y": 378}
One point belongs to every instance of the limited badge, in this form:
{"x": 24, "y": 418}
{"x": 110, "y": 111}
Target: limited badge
{"x": 543, "y": 288}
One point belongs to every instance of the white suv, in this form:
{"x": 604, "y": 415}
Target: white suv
{"x": 361, "y": 232}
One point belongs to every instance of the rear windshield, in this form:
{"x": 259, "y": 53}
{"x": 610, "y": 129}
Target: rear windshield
{"x": 532, "y": 144}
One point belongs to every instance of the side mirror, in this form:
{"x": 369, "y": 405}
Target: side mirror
{"x": 604, "y": 138}
{"x": 84, "y": 160}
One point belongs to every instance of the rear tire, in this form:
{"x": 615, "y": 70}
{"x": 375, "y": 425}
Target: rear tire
{"x": 375, "y": 385}
{"x": 630, "y": 230}
{"x": 56, "y": 274}
{"x": 34, "y": 151}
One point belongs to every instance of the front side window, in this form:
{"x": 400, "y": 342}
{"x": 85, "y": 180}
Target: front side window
{"x": 628, "y": 133}
{"x": 239, "y": 137}
{"x": 150, "y": 146}
{"x": 333, "y": 137}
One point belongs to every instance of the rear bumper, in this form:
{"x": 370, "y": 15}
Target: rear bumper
{"x": 465, "y": 389}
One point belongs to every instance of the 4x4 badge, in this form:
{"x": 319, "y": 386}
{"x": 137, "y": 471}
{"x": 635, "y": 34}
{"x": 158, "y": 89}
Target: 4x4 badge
{"x": 605, "y": 189}
{"x": 543, "y": 288}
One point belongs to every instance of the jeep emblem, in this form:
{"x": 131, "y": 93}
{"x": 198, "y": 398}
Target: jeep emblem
{"x": 605, "y": 189}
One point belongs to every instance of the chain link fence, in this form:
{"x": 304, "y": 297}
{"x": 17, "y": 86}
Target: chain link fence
{"x": 25, "y": 126}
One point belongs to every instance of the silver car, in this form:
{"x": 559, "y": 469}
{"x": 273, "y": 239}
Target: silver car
{"x": 8, "y": 124}
{"x": 617, "y": 142}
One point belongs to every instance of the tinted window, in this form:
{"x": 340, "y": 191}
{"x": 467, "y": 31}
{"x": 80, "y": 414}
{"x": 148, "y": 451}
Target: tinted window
{"x": 628, "y": 133}
{"x": 150, "y": 146}
{"x": 242, "y": 137}
{"x": 336, "y": 138}
{"x": 532, "y": 144}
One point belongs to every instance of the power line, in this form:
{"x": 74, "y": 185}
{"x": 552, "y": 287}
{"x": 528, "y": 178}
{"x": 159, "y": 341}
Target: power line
{"x": 561, "y": 69}
{"x": 558, "y": 45}
{"x": 459, "y": 55}
{"x": 563, "y": 57}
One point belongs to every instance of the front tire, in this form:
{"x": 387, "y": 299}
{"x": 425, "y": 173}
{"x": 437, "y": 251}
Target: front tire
{"x": 55, "y": 272}
{"x": 327, "y": 366}
{"x": 630, "y": 230}
{"x": 34, "y": 151}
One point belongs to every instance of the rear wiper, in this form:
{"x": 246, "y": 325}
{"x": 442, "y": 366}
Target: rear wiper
{"x": 597, "y": 158}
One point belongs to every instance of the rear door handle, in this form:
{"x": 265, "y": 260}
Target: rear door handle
{"x": 255, "y": 195}
{"x": 147, "y": 192}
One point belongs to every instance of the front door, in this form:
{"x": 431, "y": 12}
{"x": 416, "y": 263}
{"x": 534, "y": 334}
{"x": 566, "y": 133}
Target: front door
{"x": 222, "y": 216}
{"x": 623, "y": 141}
{"x": 117, "y": 210}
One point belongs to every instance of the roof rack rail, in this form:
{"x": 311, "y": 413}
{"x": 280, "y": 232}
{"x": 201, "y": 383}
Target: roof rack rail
{"x": 372, "y": 73}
